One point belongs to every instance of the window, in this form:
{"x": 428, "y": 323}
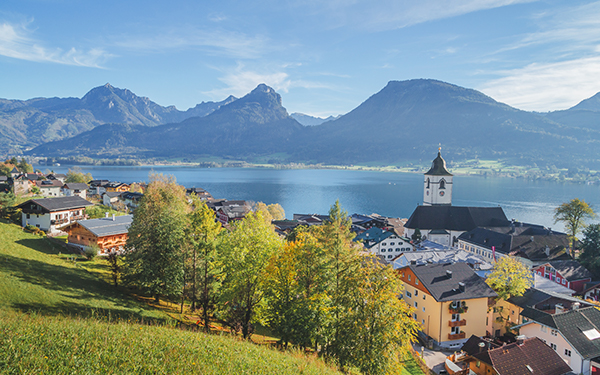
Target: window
{"x": 383, "y": 250}
{"x": 558, "y": 280}
{"x": 384, "y": 244}
{"x": 392, "y": 243}
{"x": 416, "y": 281}
{"x": 567, "y": 352}
{"x": 564, "y": 282}
{"x": 416, "y": 292}
{"x": 554, "y": 332}
{"x": 553, "y": 346}
{"x": 423, "y": 321}
{"x": 408, "y": 294}
{"x": 397, "y": 249}
{"x": 415, "y": 316}
{"x": 423, "y": 296}
{"x": 544, "y": 328}
{"x": 390, "y": 256}
{"x": 408, "y": 277}
{"x": 442, "y": 184}
{"x": 423, "y": 308}
{"x": 416, "y": 304}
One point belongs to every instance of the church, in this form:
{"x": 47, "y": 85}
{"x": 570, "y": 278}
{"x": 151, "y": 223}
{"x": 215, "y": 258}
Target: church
{"x": 438, "y": 220}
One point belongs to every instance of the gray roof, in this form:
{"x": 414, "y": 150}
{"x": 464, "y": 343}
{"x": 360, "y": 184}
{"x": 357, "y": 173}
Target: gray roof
{"x": 537, "y": 298}
{"x": 571, "y": 269}
{"x": 456, "y": 218}
{"x": 434, "y": 277}
{"x": 438, "y": 167}
{"x": 542, "y": 283}
{"x": 444, "y": 256}
{"x": 112, "y": 194}
{"x": 76, "y": 186}
{"x": 106, "y": 226}
{"x": 56, "y": 204}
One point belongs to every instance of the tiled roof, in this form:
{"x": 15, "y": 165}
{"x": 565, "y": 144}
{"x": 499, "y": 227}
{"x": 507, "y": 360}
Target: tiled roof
{"x": 572, "y": 324}
{"x": 571, "y": 269}
{"x": 49, "y": 183}
{"x": 444, "y": 256}
{"x": 533, "y": 356}
{"x": 76, "y": 186}
{"x": 456, "y": 218}
{"x": 435, "y": 278}
{"x": 535, "y": 298}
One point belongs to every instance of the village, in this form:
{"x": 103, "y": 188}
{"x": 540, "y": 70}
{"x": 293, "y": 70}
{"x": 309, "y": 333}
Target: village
{"x": 441, "y": 253}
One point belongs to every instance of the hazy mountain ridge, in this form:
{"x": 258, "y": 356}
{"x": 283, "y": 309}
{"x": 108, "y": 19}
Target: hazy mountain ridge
{"x": 405, "y": 121}
{"x": 308, "y": 120}
{"x": 27, "y": 123}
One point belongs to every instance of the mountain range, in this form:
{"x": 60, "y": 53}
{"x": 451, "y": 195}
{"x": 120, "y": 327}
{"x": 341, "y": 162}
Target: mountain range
{"x": 405, "y": 121}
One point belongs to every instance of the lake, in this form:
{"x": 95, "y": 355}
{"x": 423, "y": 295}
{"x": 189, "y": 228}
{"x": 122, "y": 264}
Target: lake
{"x": 391, "y": 194}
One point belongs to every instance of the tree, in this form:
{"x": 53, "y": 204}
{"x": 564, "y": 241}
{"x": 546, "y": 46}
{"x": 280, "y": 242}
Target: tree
{"x": 590, "y": 257}
{"x": 573, "y": 214}
{"x": 277, "y": 212}
{"x": 24, "y": 167}
{"x": 7, "y": 200}
{"x": 114, "y": 263}
{"x": 416, "y": 236}
{"x": 154, "y": 258}
{"x": 76, "y": 175}
{"x": 202, "y": 232}
{"x": 509, "y": 278}
{"x": 243, "y": 256}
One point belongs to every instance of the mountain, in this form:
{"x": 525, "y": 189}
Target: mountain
{"x": 586, "y": 114}
{"x": 28, "y": 123}
{"x": 256, "y": 124}
{"x": 403, "y": 122}
{"x": 308, "y": 120}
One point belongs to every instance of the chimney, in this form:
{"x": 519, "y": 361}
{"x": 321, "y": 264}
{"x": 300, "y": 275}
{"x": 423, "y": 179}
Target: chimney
{"x": 106, "y": 215}
{"x": 461, "y": 286}
{"x": 449, "y": 274}
{"x": 113, "y": 217}
{"x": 520, "y": 339}
{"x": 575, "y": 306}
{"x": 558, "y": 308}
{"x": 547, "y": 251}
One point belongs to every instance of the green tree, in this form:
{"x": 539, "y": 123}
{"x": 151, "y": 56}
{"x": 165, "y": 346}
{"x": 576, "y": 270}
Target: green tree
{"x": 416, "y": 236}
{"x": 154, "y": 258}
{"x": 5, "y": 170}
{"x": 76, "y": 175}
{"x": 509, "y": 278}
{"x": 202, "y": 232}
{"x": 7, "y": 200}
{"x": 574, "y": 214}
{"x": 24, "y": 167}
{"x": 243, "y": 256}
{"x": 590, "y": 257}
{"x": 114, "y": 263}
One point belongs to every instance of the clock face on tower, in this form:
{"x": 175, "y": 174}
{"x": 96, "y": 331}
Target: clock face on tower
{"x": 441, "y": 193}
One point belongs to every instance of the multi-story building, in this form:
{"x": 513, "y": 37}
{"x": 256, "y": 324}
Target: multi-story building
{"x": 52, "y": 214}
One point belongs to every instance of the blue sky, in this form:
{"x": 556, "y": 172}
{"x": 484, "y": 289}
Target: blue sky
{"x": 324, "y": 57}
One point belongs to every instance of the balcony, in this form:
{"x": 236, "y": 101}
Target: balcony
{"x": 456, "y": 336}
{"x": 457, "y": 323}
{"x": 458, "y": 309}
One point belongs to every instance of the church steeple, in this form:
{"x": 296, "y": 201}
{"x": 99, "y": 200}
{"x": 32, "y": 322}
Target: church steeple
{"x": 438, "y": 183}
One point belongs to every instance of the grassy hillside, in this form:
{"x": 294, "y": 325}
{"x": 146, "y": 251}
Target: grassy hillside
{"x": 60, "y": 316}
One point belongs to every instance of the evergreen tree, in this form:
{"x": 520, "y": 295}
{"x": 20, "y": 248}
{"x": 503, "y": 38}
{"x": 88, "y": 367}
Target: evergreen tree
{"x": 590, "y": 257}
{"x": 155, "y": 259}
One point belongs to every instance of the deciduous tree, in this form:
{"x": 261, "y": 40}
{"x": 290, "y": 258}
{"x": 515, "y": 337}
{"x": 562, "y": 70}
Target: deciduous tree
{"x": 243, "y": 256}
{"x": 154, "y": 260}
{"x": 574, "y": 214}
{"x": 202, "y": 233}
{"x": 76, "y": 175}
{"x": 509, "y": 278}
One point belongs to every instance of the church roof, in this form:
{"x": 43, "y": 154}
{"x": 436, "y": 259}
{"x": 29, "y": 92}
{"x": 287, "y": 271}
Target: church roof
{"x": 456, "y": 218}
{"x": 438, "y": 167}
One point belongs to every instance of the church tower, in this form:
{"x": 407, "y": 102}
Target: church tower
{"x": 437, "y": 190}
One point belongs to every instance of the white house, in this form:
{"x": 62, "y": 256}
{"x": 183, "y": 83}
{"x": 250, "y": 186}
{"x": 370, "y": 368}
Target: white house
{"x": 386, "y": 244}
{"x": 49, "y": 188}
{"x": 52, "y": 214}
{"x": 71, "y": 189}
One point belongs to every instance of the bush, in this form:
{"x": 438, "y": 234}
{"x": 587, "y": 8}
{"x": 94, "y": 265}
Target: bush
{"x": 90, "y": 252}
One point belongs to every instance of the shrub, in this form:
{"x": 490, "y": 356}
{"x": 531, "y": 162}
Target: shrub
{"x": 90, "y": 252}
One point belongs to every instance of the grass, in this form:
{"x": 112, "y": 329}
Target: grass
{"x": 60, "y": 314}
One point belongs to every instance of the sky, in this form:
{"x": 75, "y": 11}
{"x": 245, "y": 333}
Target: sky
{"x": 324, "y": 57}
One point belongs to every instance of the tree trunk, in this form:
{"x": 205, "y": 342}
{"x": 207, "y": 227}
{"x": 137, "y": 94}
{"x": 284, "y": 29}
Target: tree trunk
{"x": 193, "y": 307}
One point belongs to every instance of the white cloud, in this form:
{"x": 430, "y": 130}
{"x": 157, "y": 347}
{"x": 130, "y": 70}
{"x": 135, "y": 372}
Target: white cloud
{"x": 240, "y": 81}
{"x": 232, "y": 44}
{"x": 16, "y": 42}
{"x": 547, "y": 87}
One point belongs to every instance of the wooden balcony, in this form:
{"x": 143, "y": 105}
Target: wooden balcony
{"x": 457, "y": 309}
{"x": 457, "y": 336}
{"x": 457, "y": 323}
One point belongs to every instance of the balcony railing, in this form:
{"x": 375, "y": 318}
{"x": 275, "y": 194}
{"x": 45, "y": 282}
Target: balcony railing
{"x": 458, "y": 309}
{"x": 456, "y": 336}
{"x": 457, "y": 323}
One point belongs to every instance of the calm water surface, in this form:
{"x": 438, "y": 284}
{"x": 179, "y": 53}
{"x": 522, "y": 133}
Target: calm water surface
{"x": 386, "y": 193}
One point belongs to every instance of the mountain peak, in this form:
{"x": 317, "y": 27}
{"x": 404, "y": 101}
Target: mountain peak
{"x": 108, "y": 86}
{"x": 589, "y": 104}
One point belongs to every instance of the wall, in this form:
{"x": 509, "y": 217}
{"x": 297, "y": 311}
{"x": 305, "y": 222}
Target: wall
{"x": 544, "y": 333}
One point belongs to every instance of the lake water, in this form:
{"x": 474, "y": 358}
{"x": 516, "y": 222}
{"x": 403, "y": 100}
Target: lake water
{"x": 387, "y": 193}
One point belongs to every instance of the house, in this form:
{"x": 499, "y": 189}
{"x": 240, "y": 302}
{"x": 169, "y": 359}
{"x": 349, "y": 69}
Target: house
{"x": 450, "y": 302}
{"x": 507, "y": 314}
{"x": 384, "y": 243}
{"x": 52, "y": 214}
{"x": 200, "y": 193}
{"x": 437, "y": 220}
{"x": 22, "y": 185}
{"x": 14, "y": 173}
{"x": 531, "y": 244}
{"x": 131, "y": 200}
{"x": 477, "y": 263}
{"x": 573, "y": 334}
{"x": 97, "y": 187}
{"x": 527, "y": 356}
{"x": 74, "y": 188}
{"x": 116, "y": 187}
{"x": 57, "y": 176}
{"x": 108, "y": 233}
{"x": 546, "y": 285}
{"x": 591, "y": 291}
{"x": 108, "y": 199}
{"x": 49, "y": 188}
{"x": 227, "y": 211}
{"x": 568, "y": 273}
